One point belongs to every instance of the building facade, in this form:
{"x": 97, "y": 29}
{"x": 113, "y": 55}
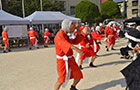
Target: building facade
{"x": 69, "y": 5}
{"x": 130, "y": 8}
{"x": 133, "y": 8}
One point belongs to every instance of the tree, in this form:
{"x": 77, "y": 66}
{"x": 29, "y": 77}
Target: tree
{"x": 31, "y": 6}
{"x": 110, "y": 9}
{"x": 87, "y": 11}
{"x": 15, "y": 6}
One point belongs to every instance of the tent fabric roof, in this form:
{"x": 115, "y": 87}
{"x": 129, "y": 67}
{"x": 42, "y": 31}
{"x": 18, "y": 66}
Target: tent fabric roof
{"x": 48, "y": 17}
{"x": 7, "y": 18}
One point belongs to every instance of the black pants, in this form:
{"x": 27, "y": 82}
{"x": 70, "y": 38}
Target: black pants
{"x": 124, "y": 51}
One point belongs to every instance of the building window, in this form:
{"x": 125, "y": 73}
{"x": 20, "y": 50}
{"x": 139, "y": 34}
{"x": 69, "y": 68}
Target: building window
{"x": 134, "y": 11}
{"x": 134, "y": 3}
{"x": 72, "y": 10}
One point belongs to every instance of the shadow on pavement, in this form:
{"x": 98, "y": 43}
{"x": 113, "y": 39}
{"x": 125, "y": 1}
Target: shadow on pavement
{"x": 20, "y": 49}
{"x": 108, "y": 85}
{"x": 108, "y": 54}
{"x": 111, "y": 63}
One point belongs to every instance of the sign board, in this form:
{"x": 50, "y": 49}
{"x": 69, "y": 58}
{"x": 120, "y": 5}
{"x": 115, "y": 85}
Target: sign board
{"x": 17, "y": 31}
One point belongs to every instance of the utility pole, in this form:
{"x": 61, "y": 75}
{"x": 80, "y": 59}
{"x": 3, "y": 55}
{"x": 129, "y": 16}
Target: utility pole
{"x": 41, "y": 7}
{"x": 0, "y": 5}
{"x": 23, "y": 9}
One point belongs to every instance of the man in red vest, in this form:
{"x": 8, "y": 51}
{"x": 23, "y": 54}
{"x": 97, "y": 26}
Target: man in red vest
{"x": 46, "y": 37}
{"x": 67, "y": 68}
{"x": 32, "y": 36}
{"x": 5, "y": 40}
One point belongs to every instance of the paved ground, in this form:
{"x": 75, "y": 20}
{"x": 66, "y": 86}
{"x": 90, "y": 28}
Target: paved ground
{"x": 36, "y": 70}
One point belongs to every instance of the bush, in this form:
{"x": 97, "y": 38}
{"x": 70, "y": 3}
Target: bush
{"x": 110, "y": 9}
{"x": 87, "y": 11}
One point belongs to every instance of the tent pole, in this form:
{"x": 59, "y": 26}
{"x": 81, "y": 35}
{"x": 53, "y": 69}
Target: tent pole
{"x": 0, "y": 5}
{"x": 42, "y": 28}
{"x": 23, "y": 10}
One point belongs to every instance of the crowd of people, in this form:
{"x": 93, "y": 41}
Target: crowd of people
{"x": 89, "y": 40}
{"x": 33, "y": 38}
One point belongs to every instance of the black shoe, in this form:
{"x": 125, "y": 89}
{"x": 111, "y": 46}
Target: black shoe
{"x": 107, "y": 49}
{"x": 122, "y": 57}
{"x": 73, "y": 88}
{"x": 81, "y": 68}
{"x": 129, "y": 57}
{"x": 45, "y": 46}
{"x": 4, "y": 52}
{"x": 30, "y": 48}
{"x": 105, "y": 46}
{"x": 92, "y": 65}
{"x": 112, "y": 49}
{"x": 99, "y": 43}
{"x": 37, "y": 47}
{"x": 9, "y": 50}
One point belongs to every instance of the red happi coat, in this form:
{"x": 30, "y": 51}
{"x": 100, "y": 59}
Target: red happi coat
{"x": 63, "y": 47}
{"x": 32, "y": 35}
{"x": 96, "y": 35}
{"x": 46, "y": 38}
{"x": 111, "y": 34}
{"x": 5, "y": 38}
{"x": 91, "y": 50}
{"x": 82, "y": 27}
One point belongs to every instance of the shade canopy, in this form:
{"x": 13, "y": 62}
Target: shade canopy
{"x": 133, "y": 34}
{"x": 48, "y": 17}
{"x": 9, "y": 19}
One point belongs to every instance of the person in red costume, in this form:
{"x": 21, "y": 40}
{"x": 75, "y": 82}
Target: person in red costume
{"x": 46, "y": 37}
{"x": 32, "y": 36}
{"x": 97, "y": 34}
{"x": 5, "y": 40}
{"x": 67, "y": 68}
{"x": 89, "y": 46}
{"x": 110, "y": 35}
{"x": 82, "y": 27}
{"x": 107, "y": 28}
{"x": 101, "y": 26}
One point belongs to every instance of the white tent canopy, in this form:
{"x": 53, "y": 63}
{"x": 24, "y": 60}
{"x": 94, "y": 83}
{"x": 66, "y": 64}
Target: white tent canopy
{"x": 9, "y": 19}
{"x": 48, "y": 17}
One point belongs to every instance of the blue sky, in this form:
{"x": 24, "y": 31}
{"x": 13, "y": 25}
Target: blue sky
{"x": 118, "y": 0}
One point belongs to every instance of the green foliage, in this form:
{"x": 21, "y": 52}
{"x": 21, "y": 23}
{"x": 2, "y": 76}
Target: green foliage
{"x": 87, "y": 11}
{"x": 110, "y": 9}
{"x": 15, "y": 6}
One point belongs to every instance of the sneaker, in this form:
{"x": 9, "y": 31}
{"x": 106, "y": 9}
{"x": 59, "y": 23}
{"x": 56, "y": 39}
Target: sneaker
{"x": 81, "y": 68}
{"x": 112, "y": 49}
{"x": 105, "y": 46}
{"x": 4, "y": 52}
{"x": 99, "y": 43}
{"x": 73, "y": 88}
{"x": 92, "y": 65}
{"x": 9, "y": 50}
{"x": 122, "y": 57}
{"x": 37, "y": 47}
{"x": 45, "y": 46}
{"x": 30, "y": 48}
{"x": 107, "y": 49}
